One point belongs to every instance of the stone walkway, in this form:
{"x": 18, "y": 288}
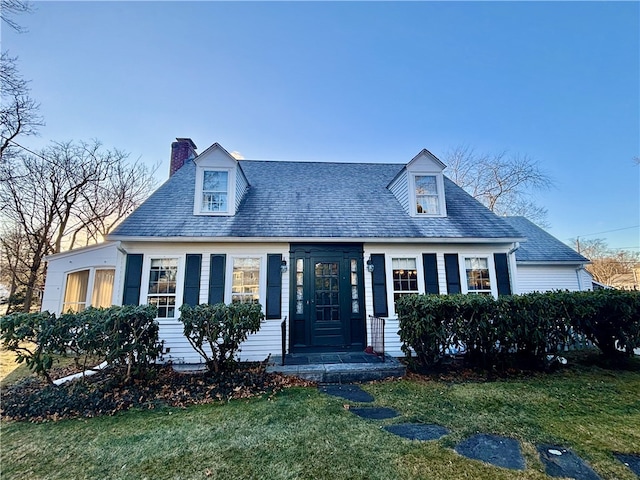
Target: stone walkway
{"x": 496, "y": 450}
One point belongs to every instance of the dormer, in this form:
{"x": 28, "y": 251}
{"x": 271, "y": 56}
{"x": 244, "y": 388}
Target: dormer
{"x": 419, "y": 187}
{"x": 220, "y": 183}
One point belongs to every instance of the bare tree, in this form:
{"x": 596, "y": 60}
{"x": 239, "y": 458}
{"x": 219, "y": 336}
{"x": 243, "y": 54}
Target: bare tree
{"x": 606, "y": 263}
{"x": 19, "y": 113}
{"x": 64, "y": 192}
{"x": 503, "y": 183}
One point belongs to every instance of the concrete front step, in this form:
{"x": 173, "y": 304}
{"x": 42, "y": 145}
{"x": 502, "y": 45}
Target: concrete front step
{"x": 341, "y": 371}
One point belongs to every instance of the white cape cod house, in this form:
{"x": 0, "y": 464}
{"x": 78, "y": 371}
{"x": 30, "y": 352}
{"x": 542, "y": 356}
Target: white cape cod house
{"x": 322, "y": 245}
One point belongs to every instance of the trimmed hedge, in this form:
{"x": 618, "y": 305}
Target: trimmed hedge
{"x": 126, "y": 335}
{"x": 495, "y": 332}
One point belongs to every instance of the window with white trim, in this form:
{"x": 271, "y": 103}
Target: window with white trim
{"x": 405, "y": 277}
{"x": 215, "y": 191}
{"x": 89, "y": 287}
{"x": 163, "y": 273}
{"x": 477, "y": 274}
{"x": 427, "y": 197}
{"x": 245, "y": 284}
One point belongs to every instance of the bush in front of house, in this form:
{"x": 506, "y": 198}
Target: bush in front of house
{"x": 216, "y": 331}
{"x": 34, "y": 338}
{"x": 608, "y": 318}
{"x": 124, "y": 336}
{"x": 495, "y": 332}
{"x": 427, "y": 326}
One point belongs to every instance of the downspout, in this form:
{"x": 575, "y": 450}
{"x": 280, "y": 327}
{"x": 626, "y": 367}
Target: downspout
{"x": 513, "y": 272}
{"x": 578, "y": 270}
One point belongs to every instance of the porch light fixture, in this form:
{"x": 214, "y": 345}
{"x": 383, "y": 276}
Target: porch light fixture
{"x": 283, "y": 266}
{"x": 370, "y": 265}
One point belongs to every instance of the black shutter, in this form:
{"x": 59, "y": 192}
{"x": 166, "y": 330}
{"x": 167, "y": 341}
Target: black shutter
{"x": 274, "y": 286}
{"x": 216, "y": 279}
{"x": 453, "y": 273}
{"x": 379, "y": 279}
{"x": 430, "y": 264}
{"x": 192, "y": 279}
{"x": 132, "y": 279}
{"x": 502, "y": 273}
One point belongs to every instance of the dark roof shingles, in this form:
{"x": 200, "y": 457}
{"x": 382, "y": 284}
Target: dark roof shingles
{"x": 540, "y": 245}
{"x": 310, "y": 200}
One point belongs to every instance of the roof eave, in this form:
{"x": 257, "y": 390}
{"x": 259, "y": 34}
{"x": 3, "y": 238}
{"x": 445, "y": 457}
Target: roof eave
{"x": 447, "y": 240}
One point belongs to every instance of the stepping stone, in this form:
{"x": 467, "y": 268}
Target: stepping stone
{"x": 351, "y": 392}
{"x": 560, "y": 462}
{"x": 375, "y": 413}
{"x": 417, "y": 431}
{"x": 630, "y": 460}
{"x": 494, "y": 449}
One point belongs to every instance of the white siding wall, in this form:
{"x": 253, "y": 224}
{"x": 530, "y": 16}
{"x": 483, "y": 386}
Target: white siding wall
{"x": 259, "y": 345}
{"x": 241, "y": 187}
{"x": 400, "y": 189}
{"x": 97, "y": 256}
{"x": 542, "y": 278}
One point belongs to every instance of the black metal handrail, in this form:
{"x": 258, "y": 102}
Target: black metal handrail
{"x": 283, "y": 332}
{"x": 377, "y": 335}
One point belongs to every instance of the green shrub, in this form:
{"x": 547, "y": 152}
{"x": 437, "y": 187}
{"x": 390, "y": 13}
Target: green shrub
{"x": 126, "y": 336}
{"x": 427, "y": 326}
{"x": 34, "y": 338}
{"x": 130, "y": 337}
{"x": 523, "y": 327}
{"x": 216, "y": 331}
{"x": 608, "y": 318}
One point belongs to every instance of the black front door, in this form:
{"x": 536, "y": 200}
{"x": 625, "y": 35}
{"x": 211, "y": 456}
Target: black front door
{"x": 327, "y": 308}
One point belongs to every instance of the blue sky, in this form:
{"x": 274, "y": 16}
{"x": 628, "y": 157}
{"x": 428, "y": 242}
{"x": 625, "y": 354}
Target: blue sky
{"x": 356, "y": 81}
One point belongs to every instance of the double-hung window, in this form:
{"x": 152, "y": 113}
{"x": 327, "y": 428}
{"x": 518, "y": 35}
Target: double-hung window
{"x": 427, "y": 198}
{"x": 215, "y": 191}
{"x": 405, "y": 277}
{"x": 477, "y": 273}
{"x": 89, "y": 287}
{"x": 163, "y": 274}
{"x": 245, "y": 286}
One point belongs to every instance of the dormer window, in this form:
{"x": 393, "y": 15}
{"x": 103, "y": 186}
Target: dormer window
{"x": 215, "y": 190}
{"x": 428, "y": 193}
{"x": 427, "y": 201}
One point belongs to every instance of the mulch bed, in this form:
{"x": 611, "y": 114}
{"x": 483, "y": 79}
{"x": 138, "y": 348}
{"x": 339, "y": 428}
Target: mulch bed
{"x": 32, "y": 399}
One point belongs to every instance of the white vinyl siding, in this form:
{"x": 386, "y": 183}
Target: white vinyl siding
{"x": 543, "y": 278}
{"x": 241, "y": 187}
{"x": 400, "y": 189}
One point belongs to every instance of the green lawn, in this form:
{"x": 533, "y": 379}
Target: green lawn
{"x": 301, "y": 433}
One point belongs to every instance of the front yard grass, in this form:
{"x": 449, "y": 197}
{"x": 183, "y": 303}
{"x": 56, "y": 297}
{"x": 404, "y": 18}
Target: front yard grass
{"x": 301, "y": 433}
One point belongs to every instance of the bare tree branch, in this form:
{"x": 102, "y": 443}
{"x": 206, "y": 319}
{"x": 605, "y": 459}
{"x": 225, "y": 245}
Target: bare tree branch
{"x": 8, "y": 8}
{"x": 503, "y": 183}
{"x": 19, "y": 113}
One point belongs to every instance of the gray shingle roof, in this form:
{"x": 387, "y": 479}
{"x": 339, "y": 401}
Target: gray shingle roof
{"x": 540, "y": 245}
{"x": 310, "y": 200}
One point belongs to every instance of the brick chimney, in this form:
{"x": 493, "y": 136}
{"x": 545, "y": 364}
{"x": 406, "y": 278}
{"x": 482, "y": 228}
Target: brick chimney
{"x": 182, "y": 150}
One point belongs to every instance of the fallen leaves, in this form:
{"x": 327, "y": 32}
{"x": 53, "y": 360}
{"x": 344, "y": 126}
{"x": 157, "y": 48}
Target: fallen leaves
{"x": 101, "y": 394}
